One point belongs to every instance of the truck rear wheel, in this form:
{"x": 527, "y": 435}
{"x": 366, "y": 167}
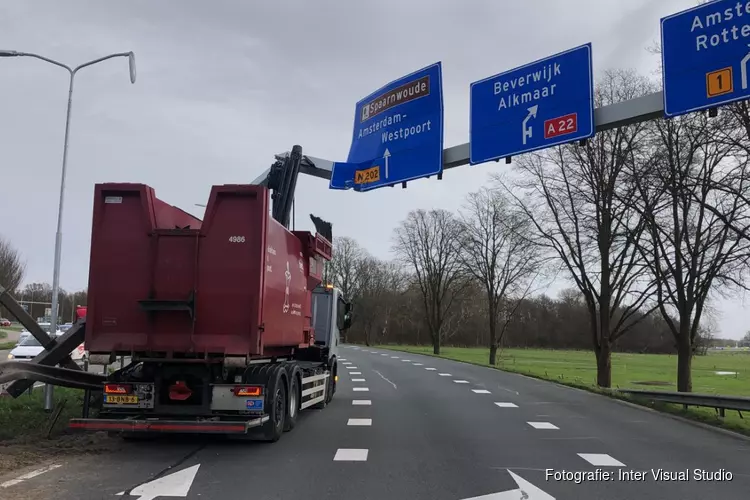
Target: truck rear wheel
{"x": 293, "y": 401}
{"x": 331, "y": 383}
{"x": 276, "y": 406}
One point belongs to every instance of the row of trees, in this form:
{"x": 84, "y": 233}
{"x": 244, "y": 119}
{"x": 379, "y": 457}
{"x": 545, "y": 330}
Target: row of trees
{"x": 649, "y": 221}
{"x": 37, "y": 296}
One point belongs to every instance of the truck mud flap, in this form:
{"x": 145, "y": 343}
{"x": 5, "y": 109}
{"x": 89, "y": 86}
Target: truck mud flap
{"x": 165, "y": 426}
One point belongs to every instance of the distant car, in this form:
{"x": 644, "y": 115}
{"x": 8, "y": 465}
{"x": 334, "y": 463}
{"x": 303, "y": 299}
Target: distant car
{"x": 28, "y": 347}
{"x": 4, "y": 322}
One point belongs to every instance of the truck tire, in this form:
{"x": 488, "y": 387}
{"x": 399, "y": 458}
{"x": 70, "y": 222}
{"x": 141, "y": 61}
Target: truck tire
{"x": 332, "y": 382}
{"x": 276, "y": 405}
{"x": 293, "y": 400}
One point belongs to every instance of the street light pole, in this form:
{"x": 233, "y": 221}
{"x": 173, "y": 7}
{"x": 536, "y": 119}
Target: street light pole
{"x": 58, "y": 235}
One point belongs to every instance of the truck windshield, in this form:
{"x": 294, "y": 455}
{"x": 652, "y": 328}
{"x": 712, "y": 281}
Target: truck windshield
{"x": 321, "y": 307}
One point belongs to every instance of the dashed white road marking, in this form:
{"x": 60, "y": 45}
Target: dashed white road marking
{"x": 543, "y": 425}
{"x": 29, "y": 475}
{"x": 507, "y": 405}
{"x": 347, "y": 363}
{"x": 418, "y": 364}
{"x": 360, "y": 389}
{"x": 406, "y": 360}
{"x": 355, "y": 373}
{"x": 430, "y": 369}
{"x": 362, "y": 422}
{"x": 381, "y": 376}
{"x": 394, "y": 357}
{"x": 361, "y": 402}
{"x": 445, "y": 374}
{"x": 384, "y": 355}
{"x": 352, "y": 368}
{"x": 509, "y": 390}
{"x": 601, "y": 460}
{"x": 481, "y": 391}
{"x": 351, "y": 455}
{"x": 342, "y": 359}
{"x": 358, "y": 380}
{"x": 461, "y": 381}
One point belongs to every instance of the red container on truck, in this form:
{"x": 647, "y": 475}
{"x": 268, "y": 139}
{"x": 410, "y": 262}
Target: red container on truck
{"x": 225, "y": 320}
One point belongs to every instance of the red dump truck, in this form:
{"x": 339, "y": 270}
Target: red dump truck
{"x": 226, "y": 321}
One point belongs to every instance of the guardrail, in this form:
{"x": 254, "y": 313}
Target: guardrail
{"x": 719, "y": 403}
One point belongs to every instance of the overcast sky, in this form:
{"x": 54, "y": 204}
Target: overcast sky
{"x": 224, "y": 85}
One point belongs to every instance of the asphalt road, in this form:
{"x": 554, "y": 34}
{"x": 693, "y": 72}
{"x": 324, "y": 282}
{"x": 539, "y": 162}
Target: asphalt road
{"x": 423, "y": 435}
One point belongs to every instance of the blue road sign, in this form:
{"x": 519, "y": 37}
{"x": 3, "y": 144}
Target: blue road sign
{"x": 705, "y": 56}
{"x": 542, "y": 104}
{"x": 398, "y": 134}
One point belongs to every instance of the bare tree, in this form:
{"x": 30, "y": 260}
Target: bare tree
{"x": 574, "y": 199}
{"x": 428, "y": 242}
{"x": 12, "y": 268}
{"x": 496, "y": 252}
{"x": 690, "y": 249}
{"x": 343, "y": 267}
{"x": 380, "y": 285}
{"x": 734, "y": 182}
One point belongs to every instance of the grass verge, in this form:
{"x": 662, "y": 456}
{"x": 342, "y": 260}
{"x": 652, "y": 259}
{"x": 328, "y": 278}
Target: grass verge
{"x": 29, "y": 435}
{"x": 7, "y": 346}
{"x": 632, "y": 371}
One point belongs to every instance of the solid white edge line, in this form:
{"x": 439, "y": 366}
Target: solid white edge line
{"x": 29, "y": 475}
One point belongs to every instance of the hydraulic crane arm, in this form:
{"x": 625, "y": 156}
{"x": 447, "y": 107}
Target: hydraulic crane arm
{"x": 281, "y": 179}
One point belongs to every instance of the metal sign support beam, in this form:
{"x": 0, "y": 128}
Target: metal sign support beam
{"x": 648, "y": 107}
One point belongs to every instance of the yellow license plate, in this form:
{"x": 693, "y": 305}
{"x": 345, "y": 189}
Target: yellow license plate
{"x": 122, "y": 400}
{"x": 367, "y": 176}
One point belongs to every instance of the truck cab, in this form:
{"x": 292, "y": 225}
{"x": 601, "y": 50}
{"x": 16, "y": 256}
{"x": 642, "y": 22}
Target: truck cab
{"x": 332, "y": 316}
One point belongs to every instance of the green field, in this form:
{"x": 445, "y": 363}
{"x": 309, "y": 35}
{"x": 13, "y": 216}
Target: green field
{"x": 629, "y": 371}
{"x": 25, "y": 418}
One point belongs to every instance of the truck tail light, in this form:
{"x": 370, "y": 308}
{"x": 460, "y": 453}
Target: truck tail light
{"x": 179, "y": 391}
{"x": 248, "y": 390}
{"x": 118, "y": 388}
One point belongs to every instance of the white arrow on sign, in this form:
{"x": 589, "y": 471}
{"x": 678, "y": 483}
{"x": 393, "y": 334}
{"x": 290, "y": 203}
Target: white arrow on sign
{"x": 174, "y": 485}
{"x": 743, "y": 68}
{"x": 527, "y": 130}
{"x": 386, "y": 155}
{"x": 525, "y": 491}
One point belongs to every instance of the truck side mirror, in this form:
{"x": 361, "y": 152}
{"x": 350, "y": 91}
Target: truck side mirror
{"x": 347, "y": 321}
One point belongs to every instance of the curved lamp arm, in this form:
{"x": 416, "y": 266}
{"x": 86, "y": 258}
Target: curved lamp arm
{"x": 73, "y": 71}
